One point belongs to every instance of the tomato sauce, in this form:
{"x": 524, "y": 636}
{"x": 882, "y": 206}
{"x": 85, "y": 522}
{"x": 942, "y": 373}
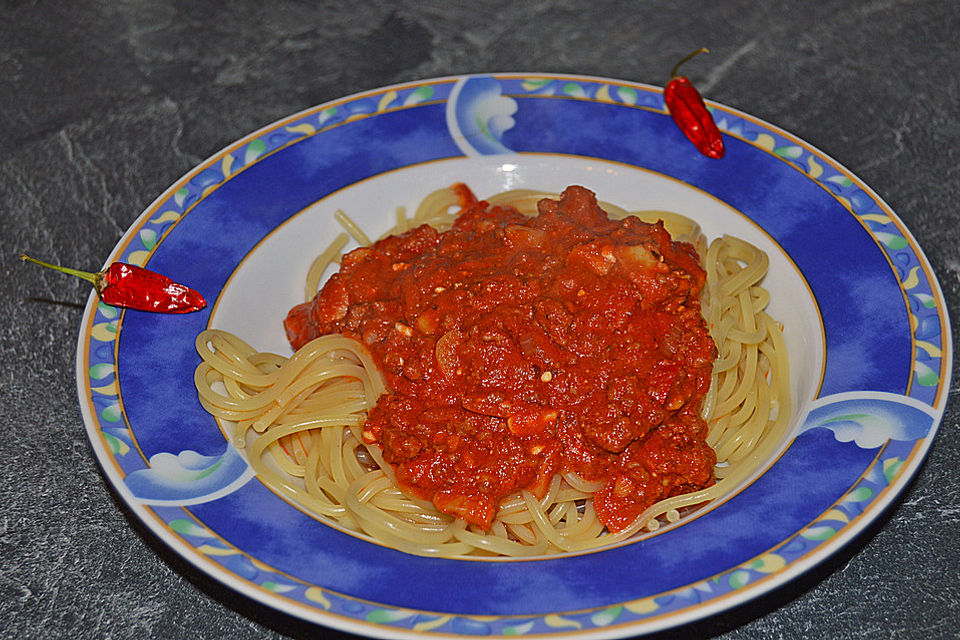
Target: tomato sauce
{"x": 515, "y": 348}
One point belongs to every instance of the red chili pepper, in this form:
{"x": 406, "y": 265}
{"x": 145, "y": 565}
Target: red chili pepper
{"x": 133, "y": 287}
{"x": 685, "y": 105}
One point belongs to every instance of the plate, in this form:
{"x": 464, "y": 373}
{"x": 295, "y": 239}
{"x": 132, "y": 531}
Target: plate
{"x": 865, "y": 323}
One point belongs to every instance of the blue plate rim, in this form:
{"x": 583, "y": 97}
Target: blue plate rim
{"x": 853, "y": 528}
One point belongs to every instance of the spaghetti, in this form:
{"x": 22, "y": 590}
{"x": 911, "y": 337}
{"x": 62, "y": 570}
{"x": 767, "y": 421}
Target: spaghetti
{"x": 302, "y": 419}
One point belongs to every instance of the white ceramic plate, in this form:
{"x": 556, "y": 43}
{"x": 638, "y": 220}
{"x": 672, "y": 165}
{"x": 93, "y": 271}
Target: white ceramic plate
{"x": 866, "y": 327}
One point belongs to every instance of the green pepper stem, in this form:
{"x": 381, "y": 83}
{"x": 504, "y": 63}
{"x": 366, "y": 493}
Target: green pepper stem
{"x": 94, "y": 278}
{"x": 676, "y": 67}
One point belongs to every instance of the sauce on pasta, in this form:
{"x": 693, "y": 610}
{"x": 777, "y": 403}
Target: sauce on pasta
{"x": 517, "y": 348}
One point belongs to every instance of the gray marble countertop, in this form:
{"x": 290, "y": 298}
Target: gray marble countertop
{"x": 104, "y": 104}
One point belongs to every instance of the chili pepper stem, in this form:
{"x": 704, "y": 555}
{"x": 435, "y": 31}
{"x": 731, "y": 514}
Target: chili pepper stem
{"x": 95, "y": 278}
{"x": 676, "y": 67}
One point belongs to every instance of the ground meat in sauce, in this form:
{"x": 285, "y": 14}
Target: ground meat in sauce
{"x": 515, "y": 348}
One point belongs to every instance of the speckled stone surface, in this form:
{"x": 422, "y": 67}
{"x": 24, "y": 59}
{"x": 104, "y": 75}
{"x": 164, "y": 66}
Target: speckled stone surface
{"x": 104, "y": 104}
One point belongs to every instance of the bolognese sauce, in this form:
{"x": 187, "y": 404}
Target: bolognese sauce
{"x": 516, "y": 348}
